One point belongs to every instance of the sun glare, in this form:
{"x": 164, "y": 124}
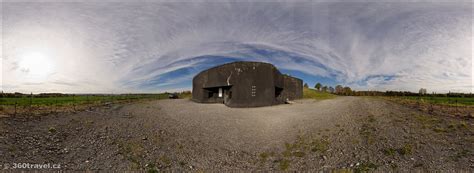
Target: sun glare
{"x": 36, "y": 65}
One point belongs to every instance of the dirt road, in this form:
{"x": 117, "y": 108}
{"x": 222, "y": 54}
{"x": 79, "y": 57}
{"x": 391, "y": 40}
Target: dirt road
{"x": 343, "y": 133}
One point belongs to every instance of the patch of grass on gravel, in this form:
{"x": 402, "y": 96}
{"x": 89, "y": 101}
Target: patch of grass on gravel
{"x": 313, "y": 94}
{"x": 151, "y": 168}
{"x": 371, "y": 119}
{"x": 407, "y": 149}
{"x": 367, "y": 132}
{"x": 460, "y": 154}
{"x": 295, "y": 150}
{"x": 393, "y": 166}
{"x": 284, "y": 164}
{"x": 319, "y": 145}
{"x": 365, "y": 167}
{"x": 440, "y": 130}
{"x": 355, "y": 141}
{"x": 389, "y": 151}
{"x": 299, "y": 154}
{"x": 12, "y": 148}
{"x": 88, "y": 123}
{"x": 52, "y": 130}
{"x": 451, "y": 127}
{"x": 427, "y": 121}
{"x": 457, "y": 126}
{"x": 462, "y": 125}
{"x": 288, "y": 148}
{"x": 165, "y": 160}
{"x": 132, "y": 151}
{"x": 418, "y": 165}
{"x": 263, "y": 157}
{"x": 182, "y": 163}
{"x": 439, "y": 125}
{"x": 343, "y": 170}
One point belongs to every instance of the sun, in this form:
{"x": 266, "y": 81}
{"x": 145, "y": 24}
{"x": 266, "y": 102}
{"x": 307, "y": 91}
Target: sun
{"x": 36, "y": 65}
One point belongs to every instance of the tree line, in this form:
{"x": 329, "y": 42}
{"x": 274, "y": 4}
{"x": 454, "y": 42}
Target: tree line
{"x": 338, "y": 89}
{"x": 347, "y": 91}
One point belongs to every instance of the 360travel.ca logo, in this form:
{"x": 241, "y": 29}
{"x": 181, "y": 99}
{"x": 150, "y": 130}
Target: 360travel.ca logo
{"x": 30, "y": 166}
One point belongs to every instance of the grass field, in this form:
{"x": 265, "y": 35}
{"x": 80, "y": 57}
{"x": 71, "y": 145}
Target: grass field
{"x": 313, "y": 94}
{"x": 76, "y": 99}
{"x": 453, "y": 101}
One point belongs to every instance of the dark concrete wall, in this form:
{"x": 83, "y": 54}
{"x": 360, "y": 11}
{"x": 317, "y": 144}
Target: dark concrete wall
{"x": 293, "y": 88}
{"x": 244, "y": 84}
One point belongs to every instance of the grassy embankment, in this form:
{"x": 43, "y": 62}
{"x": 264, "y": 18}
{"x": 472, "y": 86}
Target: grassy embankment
{"x": 314, "y": 94}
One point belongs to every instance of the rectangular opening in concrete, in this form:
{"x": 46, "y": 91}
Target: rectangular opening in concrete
{"x": 278, "y": 91}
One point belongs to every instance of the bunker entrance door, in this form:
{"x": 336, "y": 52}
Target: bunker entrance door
{"x": 278, "y": 92}
{"x": 219, "y": 94}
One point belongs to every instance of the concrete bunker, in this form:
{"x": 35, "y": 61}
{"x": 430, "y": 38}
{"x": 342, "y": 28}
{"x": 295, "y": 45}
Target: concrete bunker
{"x": 245, "y": 84}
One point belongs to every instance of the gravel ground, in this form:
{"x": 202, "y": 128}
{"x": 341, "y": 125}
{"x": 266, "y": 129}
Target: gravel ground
{"x": 344, "y": 133}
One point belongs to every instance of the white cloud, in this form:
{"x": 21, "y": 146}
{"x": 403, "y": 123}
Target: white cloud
{"x": 103, "y": 47}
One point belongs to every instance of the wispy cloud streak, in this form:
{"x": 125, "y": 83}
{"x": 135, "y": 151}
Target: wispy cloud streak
{"x": 153, "y": 46}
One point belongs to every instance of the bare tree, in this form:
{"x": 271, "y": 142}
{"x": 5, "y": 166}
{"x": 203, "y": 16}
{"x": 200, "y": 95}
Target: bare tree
{"x": 422, "y": 91}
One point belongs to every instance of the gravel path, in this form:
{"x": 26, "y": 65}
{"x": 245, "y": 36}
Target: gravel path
{"x": 343, "y": 133}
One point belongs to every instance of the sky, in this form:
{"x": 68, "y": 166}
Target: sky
{"x": 158, "y": 46}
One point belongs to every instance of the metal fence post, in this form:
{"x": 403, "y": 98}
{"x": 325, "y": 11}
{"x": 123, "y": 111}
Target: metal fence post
{"x": 88, "y": 102}
{"x": 31, "y": 102}
{"x": 56, "y": 105}
{"x": 16, "y": 102}
{"x": 456, "y": 105}
{"x": 73, "y": 103}
{"x": 450, "y": 103}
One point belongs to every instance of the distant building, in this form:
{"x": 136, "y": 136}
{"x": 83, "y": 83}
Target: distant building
{"x": 245, "y": 84}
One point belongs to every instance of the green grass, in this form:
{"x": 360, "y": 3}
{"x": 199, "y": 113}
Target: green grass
{"x": 453, "y": 101}
{"x": 52, "y": 130}
{"x": 426, "y": 121}
{"x": 460, "y": 154}
{"x": 264, "y": 156}
{"x": 77, "y": 99}
{"x": 389, "y": 151}
{"x": 319, "y": 145}
{"x": 284, "y": 164}
{"x": 406, "y": 149}
{"x": 132, "y": 150}
{"x": 365, "y": 167}
{"x": 313, "y": 94}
